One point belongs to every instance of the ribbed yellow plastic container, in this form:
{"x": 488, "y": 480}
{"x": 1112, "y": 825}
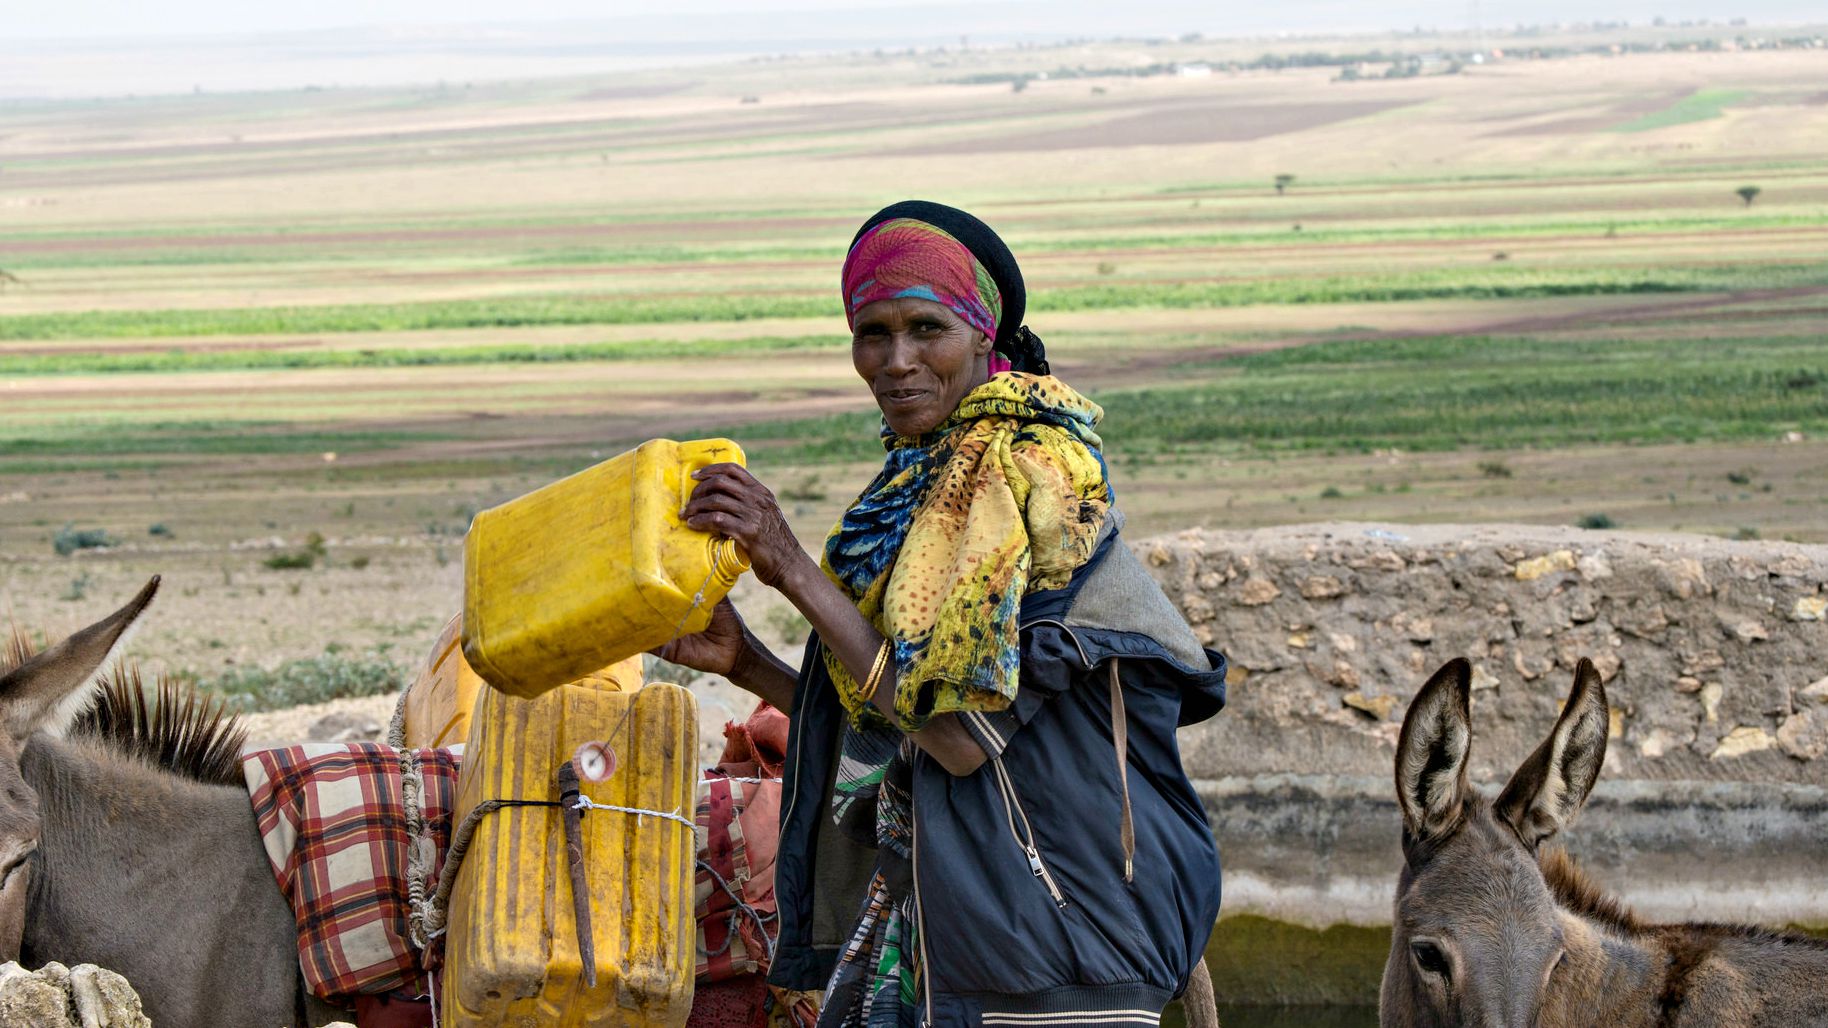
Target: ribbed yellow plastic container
{"x": 440, "y": 701}
{"x": 511, "y": 952}
{"x": 593, "y": 569}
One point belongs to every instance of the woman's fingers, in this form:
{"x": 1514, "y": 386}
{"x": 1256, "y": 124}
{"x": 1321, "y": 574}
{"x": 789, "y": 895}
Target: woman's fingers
{"x": 726, "y": 470}
{"x": 721, "y": 523}
{"x": 707, "y": 493}
{"x": 729, "y": 501}
{"x": 727, "y": 478}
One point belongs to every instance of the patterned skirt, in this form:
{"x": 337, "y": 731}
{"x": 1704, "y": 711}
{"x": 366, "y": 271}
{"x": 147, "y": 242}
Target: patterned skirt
{"x": 876, "y": 983}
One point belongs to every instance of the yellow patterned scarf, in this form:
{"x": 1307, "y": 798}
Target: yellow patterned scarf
{"x": 1006, "y": 497}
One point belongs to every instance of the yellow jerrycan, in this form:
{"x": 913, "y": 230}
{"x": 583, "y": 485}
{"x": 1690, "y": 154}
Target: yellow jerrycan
{"x": 441, "y": 700}
{"x": 512, "y": 942}
{"x": 593, "y": 569}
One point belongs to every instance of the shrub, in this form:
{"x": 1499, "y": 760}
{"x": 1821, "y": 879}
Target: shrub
{"x": 1494, "y": 469}
{"x": 807, "y": 490}
{"x": 1597, "y": 521}
{"x": 1331, "y": 493}
{"x": 159, "y": 529}
{"x": 79, "y": 587}
{"x": 69, "y": 539}
{"x": 331, "y": 676}
{"x": 300, "y": 561}
{"x": 787, "y": 624}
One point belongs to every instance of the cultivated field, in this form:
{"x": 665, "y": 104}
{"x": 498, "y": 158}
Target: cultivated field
{"x": 325, "y": 327}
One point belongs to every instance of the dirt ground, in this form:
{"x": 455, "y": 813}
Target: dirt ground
{"x": 665, "y": 184}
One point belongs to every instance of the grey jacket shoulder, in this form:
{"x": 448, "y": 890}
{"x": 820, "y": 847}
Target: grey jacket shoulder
{"x": 1120, "y": 595}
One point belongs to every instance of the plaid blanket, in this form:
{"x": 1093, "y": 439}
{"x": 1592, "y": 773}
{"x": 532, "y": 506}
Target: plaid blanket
{"x": 739, "y": 828}
{"x": 331, "y": 819}
{"x": 733, "y": 892}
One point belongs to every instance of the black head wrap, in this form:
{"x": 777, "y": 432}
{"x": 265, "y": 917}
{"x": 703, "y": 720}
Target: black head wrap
{"x": 1014, "y": 340}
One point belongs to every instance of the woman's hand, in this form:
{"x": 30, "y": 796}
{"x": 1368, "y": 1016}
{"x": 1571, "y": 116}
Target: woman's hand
{"x": 718, "y": 650}
{"x": 728, "y": 501}
{"x": 727, "y": 648}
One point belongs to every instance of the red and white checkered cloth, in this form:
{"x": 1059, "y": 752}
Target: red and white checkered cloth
{"x": 331, "y": 820}
{"x": 738, "y": 826}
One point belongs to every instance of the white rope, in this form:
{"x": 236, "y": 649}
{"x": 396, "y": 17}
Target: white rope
{"x": 586, "y": 803}
{"x": 698, "y": 600}
{"x": 423, "y": 919}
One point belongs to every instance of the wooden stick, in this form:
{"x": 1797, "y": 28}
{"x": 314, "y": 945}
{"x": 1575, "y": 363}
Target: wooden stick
{"x": 569, "y": 791}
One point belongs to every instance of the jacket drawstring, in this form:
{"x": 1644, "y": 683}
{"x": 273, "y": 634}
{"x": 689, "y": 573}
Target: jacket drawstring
{"x": 1120, "y": 739}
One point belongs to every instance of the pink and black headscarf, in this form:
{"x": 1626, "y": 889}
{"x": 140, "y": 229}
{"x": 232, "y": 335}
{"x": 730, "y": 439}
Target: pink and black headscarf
{"x": 916, "y": 248}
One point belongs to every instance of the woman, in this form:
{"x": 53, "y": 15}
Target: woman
{"x": 983, "y": 754}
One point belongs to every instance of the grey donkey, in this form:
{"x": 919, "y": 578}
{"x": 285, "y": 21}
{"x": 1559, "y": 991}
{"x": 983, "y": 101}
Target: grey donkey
{"x": 1494, "y": 931}
{"x": 127, "y": 840}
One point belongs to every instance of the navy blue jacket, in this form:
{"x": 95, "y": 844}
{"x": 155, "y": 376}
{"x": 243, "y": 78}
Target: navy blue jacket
{"x": 1026, "y": 917}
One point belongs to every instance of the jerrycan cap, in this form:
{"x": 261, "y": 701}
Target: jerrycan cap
{"x": 595, "y": 761}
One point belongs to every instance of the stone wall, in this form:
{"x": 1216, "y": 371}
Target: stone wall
{"x": 55, "y": 996}
{"x": 1714, "y": 653}
{"x": 1713, "y": 804}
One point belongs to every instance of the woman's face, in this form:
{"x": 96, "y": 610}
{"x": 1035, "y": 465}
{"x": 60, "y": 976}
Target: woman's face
{"x": 920, "y": 360}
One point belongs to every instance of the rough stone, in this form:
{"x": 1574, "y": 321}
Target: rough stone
{"x": 1683, "y": 578}
{"x": 1416, "y": 630}
{"x": 103, "y": 999}
{"x": 1710, "y": 701}
{"x": 1705, "y": 661}
{"x": 1804, "y": 734}
{"x": 1378, "y": 707}
{"x": 1547, "y": 564}
{"x": 1741, "y": 741}
{"x": 1343, "y": 675}
{"x": 1810, "y": 608}
{"x": 346, "y": 726}
{"x": 1815, "y": 692}
{"x": 1483, "y": 679}
{"x": 85, "y": 996}
{"x": 1659, "y": 741}
{"x": 1594, "y": 566}
{"x": 1608, "y": 665}
{"x": 1751, "y": 631}
{"x": 1255, "y": 592}
{"x": 1322, "y": 587}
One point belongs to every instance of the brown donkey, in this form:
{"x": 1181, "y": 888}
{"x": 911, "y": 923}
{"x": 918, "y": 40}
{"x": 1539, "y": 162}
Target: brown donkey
{"x": 127, "y": 840}
{"x": 1491, "y": 931}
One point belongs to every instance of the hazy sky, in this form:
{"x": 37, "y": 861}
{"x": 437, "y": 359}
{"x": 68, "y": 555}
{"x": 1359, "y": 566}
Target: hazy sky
{"x": 795, "y": 18}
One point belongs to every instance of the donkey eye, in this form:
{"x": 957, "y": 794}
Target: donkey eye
{"x": 1429, "y": 957}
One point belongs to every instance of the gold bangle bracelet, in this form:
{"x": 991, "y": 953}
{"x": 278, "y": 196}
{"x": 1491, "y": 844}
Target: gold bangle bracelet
{"x": 876, "y": 669}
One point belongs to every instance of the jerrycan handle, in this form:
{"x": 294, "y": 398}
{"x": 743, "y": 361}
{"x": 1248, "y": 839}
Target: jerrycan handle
{"x": 727, "y": 555}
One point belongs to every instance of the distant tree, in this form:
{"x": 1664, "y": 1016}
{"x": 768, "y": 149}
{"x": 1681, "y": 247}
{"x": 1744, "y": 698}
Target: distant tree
{"x": 1283, "y": 182}
{"x": 1018, "y": 85}
{"x": 1748, "y": 194}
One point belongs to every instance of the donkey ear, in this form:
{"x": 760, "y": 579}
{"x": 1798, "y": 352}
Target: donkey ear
{"x": 1546, "y": 793}
{"x": 1431, "y": 753}
{"x": 49, "y": 690}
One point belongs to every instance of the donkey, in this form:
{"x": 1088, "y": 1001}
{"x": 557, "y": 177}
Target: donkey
{"x": 1493, "y": 931}
{"x": 131, "y": 843}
